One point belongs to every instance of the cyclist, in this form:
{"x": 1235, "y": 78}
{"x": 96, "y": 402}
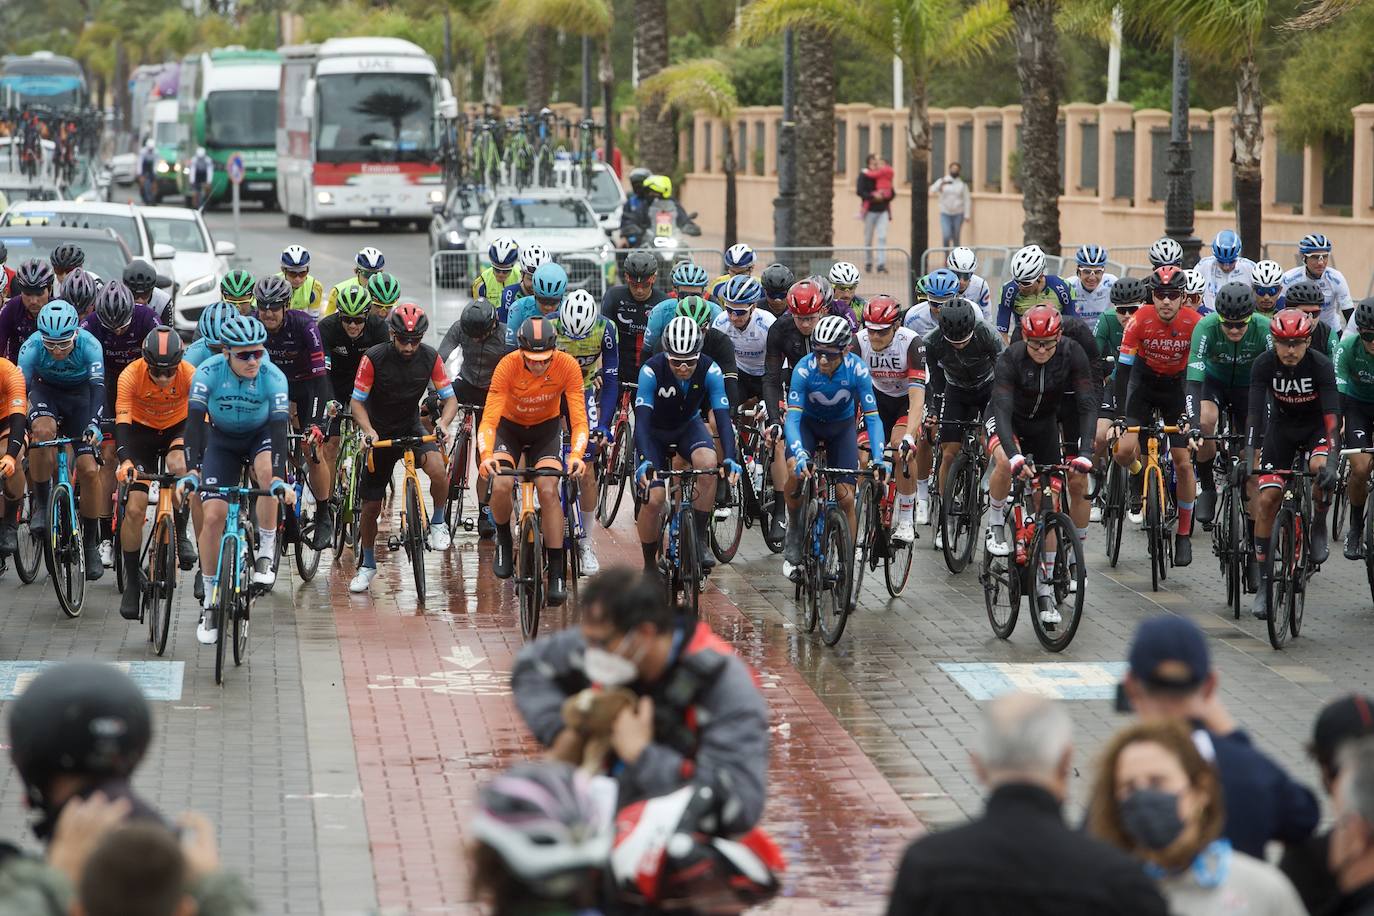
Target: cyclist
{"x": 532, "y": 257}
{"x": 385, "y": 293}
{"x": 789, "y": 340}
{"x": 746, "y": 326}
{"x": 66, "y": 258}
{"x": 200, "y": 174}
{"x": 1030, "y": 286}
{"x": 1267, "y": 283}
{"x": 367, "y": 263}
{"x": 1127, "y": 295}
{"x": 1030, "y": 378}
{"x": 715, "y": 344}
{"x": 895, "y": 356}
{"x": 307, "y": 293}
{"x": 33, "y": 287}
{"x": 1315, "y": 250}
{"x": 1165, "y": 252}
{"x": 207, "y": 342}
{"x": 739, "y": 261}
{"x": 523, "y": 418}
{"x": 14, "y": 398}
{"x": 776, "y": 279}
{"x": 64, "y": 372}
{"x": 1355, "y": 382}
{"x": 503, "y": 271}
{"x": 629, "y": 304}
{"x": 941, "y": 288}
{"x": 675, "y": 388}
{"x": 5, "y": 268}
{"x": 830, "y": 388}
{"x": 689, "y": 279}
{"x": 1224, "y": 265}
{"x": 141, "y": 279}
{"x": 1091, "y": 285}
{"x": 667, "y": 310}
{"x": 963, "y": 262}
{"x": 844, "y": 279}
{"x": 546, "y": 295}
{"x": 1225, "y": 346}
{"x": 237, "y": 414}
{"x": 1193, "y": 288}
{"x": 80, "y": 289}
{"x": 150, "y": 426}
{"x": 1293, "y": 397}
{"x": 1307, "y": 297}
{"x": 237, "y": 289}
{"x": 1152, "y": 368}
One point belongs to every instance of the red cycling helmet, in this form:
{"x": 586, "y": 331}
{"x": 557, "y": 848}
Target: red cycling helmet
{"x": 882, "y": 312}
{"x": 805, "y": 298}
{"x": 1168, "y": 277}
{"x": 1291, "y": 324}
{"x": 1041, "y": 322}
{"x": 408, "y": 320}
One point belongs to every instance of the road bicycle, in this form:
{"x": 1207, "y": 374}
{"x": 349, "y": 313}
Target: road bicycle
{"x": 158, "y": 558}
{"x": 460, "y": 459}
{"x": 529, "y": 547}
{"x": 827, "y": 566}
{"x": 410, "y": 530}
{"x": 1367, "y": 535}
{"x": 679, "y": 559}
{"x": 963, "y": 500}
{"x": 874, "y": 505}
{"x": 345, "y": 501}
{"x": 518, "y": 156}
{"x": 32, "y": 547}
{"x": 64, "y": 550}
{"x": 307, "y": 554}
{"x": 1157, "y": 498}
{"x": 615, "y": 460}
{"x": 753, "y": 493}
{"x": 1230, "y": 534}
{"x": 1291, "y": 543}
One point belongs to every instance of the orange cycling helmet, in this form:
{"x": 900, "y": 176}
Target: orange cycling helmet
{"x": 1041, "y": 322}
{"x": 1291, "y": 324}
{"x": 806, "y": 297}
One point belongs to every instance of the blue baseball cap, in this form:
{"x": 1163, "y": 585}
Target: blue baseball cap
{"x": 1170, "y": 653}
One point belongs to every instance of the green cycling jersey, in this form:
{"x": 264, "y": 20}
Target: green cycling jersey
{"x": 1108, "y": 335}
{"x": 1214, "y": 354}
{"x": 1355, "y": 369}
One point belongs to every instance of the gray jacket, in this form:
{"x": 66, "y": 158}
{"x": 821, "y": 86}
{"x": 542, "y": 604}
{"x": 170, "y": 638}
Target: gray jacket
{"x": 479, "y": 356}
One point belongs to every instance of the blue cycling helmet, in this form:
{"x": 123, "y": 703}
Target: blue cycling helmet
{"x": 941, "y": 284}
{"x": 1091, "y": 256}
{"x": 743, "y": 290}
{"x": 295, "y": 257}
{"x": 690, "y": 274}
{"x": 550, "y": 281}
{"x": 242, "y": 331}
{"x": 1316, "y": 243}
{"x": 1226, "y": 246}
{"x": 737, "y": 256}
{"x": 211, "y": 319}
{"x": 58, "y": 320}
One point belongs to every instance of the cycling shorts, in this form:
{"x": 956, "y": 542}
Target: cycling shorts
{"x": 225, "y": 456}
{"x": 372, "y": 483}
{"x": 1107, "y": 408}
{"x": 71, "y": 407}
{"x": 892, "y": 410}
{"x": 665, "y": 443}
{"x": 1037, "y": 440}
{"x": 1359, "y": 422}
{"x": 1235, "y": 400}
{"x": 147, "y": 445}
{"x": 468, "y": 393}
{"x": 750, "y": 387}
{"x": 841, "y": 441}
{"x": 1284, "y": 440}
{"x": 1157, "y": 392}
{"x": 1069, "y": 427}
{"x": 962, "y": 405}
{"x": 541, "y": 445}
{"x": 303, "y": 395}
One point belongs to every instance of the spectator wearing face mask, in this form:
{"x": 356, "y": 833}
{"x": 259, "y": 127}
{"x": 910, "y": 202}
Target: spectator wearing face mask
{"x": 1351, "y": 854}
{"x": 956, "y": 205}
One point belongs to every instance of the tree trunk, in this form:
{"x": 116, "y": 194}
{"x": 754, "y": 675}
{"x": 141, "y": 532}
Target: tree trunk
{"x": 607, "y": 76}
{"x": 815, "y": 139}
{"x": 918, "y": 151}
{"x": 1246, "y": 150}
{"x": 655, "y": 142}
{"x": 538, "y": 79}
{"x": 491, "y": 73}
{"x": 729, "y": 166}
{"x": 1037, "y": 69}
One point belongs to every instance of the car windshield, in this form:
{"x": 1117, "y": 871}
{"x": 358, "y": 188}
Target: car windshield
{"x": 241, "y": 119}
{"x": 605, "y": 195}
{"x": 181, "y": 234}
{"x": 22, "y": 193}
{"x": 104, "y": 257}
{"x": 376, "y": 117}
{"x": 166, "y": 133}
{"x": 126, "y": 227}
{"x": 528, "y": 213}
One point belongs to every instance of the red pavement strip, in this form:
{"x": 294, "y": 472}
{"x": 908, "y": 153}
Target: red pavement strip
{"x": 428, "y": 693}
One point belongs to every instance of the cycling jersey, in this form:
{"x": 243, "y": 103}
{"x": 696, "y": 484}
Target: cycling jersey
{"x": 309, "y": 296}
{"x": 1324, "y": 340}
{"x": 479, "y": 357}
{"x": 509, "y": 294}
{"x": 667, "y": 406}
{"x": 968, "y": 367}
{"x": 980, "y": 295}
{"x": 1054, "y": 294}
{"x": 342, "y": 353}
{"x": 1108, "y": 334}
{"x": 84, "y": 364}
{"x": 1024, "y": 391}
{"x": 141, "y": 400}
{"x": 122, "y": 348}
{"x": 296, "y": 347}
{"x": 898, "y": 367}
{"x": 1355, "y": 370}
{"x": 524, "y": 308}
{"x": 486, "y": 283}
{"x": 1161, "y": 345}
{"x": 14, "y": 399}
{"x": 240, "y": 409}
{"x": 843, "y": 310}
{"x": 391, "y": 385}
{"x": 1242, "y": 272}
{"x": 199, "y": 351}
{"x": 1335, "y": 292}
{"x": 1291, "y": 396}
{"x": 16, "y": 327}
{"x": 665, "y": 312}
{"x": 751, "y": 344}
{"x": 527, "y": 399}
{"x": 631, "y": 318}
{"x": 597, "y": 355}
{"x": 717, "y": 346}
{"x": 1091, "y": 305}
{"x": 815, "y": 396}
{"x": 919, "y": 319}
{"x": 785, "y": 344}
{"x": 160, "y": 301}
{"x": 1213, "y": 354}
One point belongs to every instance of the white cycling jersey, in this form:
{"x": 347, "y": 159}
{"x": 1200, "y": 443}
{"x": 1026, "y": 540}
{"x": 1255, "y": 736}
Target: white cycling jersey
{"x": 1334, "y": 289}
{"x": 919, "y": 319}
{"x": 1243, "y": 272}
{"x": 1091, "y": 305}
{"x": 980, "y": 294}
{"x": 751, "y": 343}
{"x": 897, "y": 367}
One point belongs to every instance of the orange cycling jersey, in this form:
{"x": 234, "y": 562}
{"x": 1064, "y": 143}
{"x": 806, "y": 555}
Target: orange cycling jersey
{"x": 527, "y": 399}
{"x": 141, "y": 400}
{"x": 13, "y": 392}
{"x": 1163, "y": 345}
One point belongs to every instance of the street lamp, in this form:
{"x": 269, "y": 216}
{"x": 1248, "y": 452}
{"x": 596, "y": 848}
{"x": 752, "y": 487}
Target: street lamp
{"x": 1178, "y": 206}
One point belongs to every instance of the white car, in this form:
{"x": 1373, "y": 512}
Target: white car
{"x": 124, "y": 168}
{"x": 199, "y": 263}
{"x": 125, "y": 219}
{"x": 562, "y": 221}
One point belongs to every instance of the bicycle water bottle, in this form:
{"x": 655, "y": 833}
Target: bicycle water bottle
{"x": 755, "y": 475}
{"x": 1019, "y": 532}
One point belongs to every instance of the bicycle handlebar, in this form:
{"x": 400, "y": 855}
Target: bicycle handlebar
{"x": 403, "y": 441}
{"x": 240, "y": 491}
{"x": 531, "y": 473}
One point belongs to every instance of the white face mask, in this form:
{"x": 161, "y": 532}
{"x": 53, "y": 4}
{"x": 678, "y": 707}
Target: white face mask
{"x": 609, "y": 669}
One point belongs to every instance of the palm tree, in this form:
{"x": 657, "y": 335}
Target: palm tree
{"x": 654, "y": 141}
{"x": 924, "y": 33}
{"x": 702, "y": 84}
{"x": 538, "y": 75}
{"x": 1037, "y": 70}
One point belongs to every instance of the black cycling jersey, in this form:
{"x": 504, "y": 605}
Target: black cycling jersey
{"x": 717, "y": 345}
{"x": 480, "y": 356}
{"x": 785, "y": 343}
{"x": 1291, "y": 394}
{"x": 969, "y": 367}
{"x": 631, "y": 318}
{"x": 343, "y": 353}
{"x": 1077, "y": 330}
{"x": 1024, "y": 391}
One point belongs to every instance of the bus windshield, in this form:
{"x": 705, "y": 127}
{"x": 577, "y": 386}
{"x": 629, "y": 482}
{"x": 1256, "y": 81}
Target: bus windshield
{"x": 241, "y": 119}
{"x": 376, "y": 117}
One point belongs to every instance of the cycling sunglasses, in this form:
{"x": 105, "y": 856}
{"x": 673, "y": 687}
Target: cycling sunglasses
{"x": 57, "y": 346}
{"x": 249, "y": 356}
{"x": 1367, "y": 336}
{"x": 682, "y": 363}
{"x": 829, "y": 355}
{"x": 353, "y": 319}
{"x": 647, "y": 281}
{"x": 1167, "y": 294}
{"x": 845, "y": 288}
{"x": 738, "y": 313}
{"x": 1091, "y": 271}
{"x": 1267, "y": 290}
{"x": 1290, "y": 344}
{"x": 1042, "y": 344}
{"x": 1127, "y": 310}
{"x": 271, "y": 306}
{"x": 159, "y": 372}
{"x": 1236, "y": 325}
{"x": 547, "y": 300}
{"x": 297, "y": 273}
{"x": 407, "y": 340}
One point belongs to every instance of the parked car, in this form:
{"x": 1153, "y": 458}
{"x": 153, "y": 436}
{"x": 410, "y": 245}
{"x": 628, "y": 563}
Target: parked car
{"x": 606, "y": 196}
{"x": 106, "y": 253}
{"x": 125, "y": 219}
{"x": 560, "y": 220}
{"x": 446, "y": 233}
{"x": 124, "y": 168}
{"x": 199, "y": 263}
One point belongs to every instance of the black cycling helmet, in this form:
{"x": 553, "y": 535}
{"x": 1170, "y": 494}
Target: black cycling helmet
{"x": 640, "y": 265}
{"x": 80, "y": 290}
{"x": 478, "y": 319}
{"x": 1235, "y": 302}
{"x": 777, "y": 279}
{"x": 637, "y": 177}
{"x": 1364, "y": 314}
{"x": 162, "y": 348}
{"x": 78, "y": 718}
{"x": 1128, "y": 291}
{"x": 140, "y": 277}
{"x": 537, "y": 336}
{"x": 33, "y": 276}
{"x": 272, "y": 291}
{"x": 957, "y": 319}
{"x": 114, "y": 305}
{"x": 1304, "y": 292}
{"x": 67, "y": 257}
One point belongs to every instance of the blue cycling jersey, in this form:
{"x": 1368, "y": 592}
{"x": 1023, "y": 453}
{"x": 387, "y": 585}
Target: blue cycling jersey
{"x": 828, "y": 398}
{"x": 198, "y": 352}
{"x": 84, "y": 364}
{"x": 238, "y": 406}
{"x": 666, "y": 404}
{"x": 509, "y": 294}
{"x": 665, "y": 312}
{"x": 522, "y": 308}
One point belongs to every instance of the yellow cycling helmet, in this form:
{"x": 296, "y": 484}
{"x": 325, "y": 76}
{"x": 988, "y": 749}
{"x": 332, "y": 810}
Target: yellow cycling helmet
{"x": 661, "y": 185}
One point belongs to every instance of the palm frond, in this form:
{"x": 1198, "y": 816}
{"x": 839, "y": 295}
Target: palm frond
{"x": 975, "y": 33}
{"x": 1090, "y": 19}
{"x": 1218, "y": 30}
{"x": 576, "y": 17}
{"x": 1321, "y": 14}
{"x": 701, "y": 84}
{"x": 862, "y": 21}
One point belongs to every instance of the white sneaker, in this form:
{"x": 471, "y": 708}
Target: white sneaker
{"x": 263, "y": 573}
{"x": 206, "y": 632}
{"x": 363, "y": 580}
{"x": 1095, "y": 515}
{"x": 586, "y": 557}
{"x": 905, "y": 532}
{"x": 1136, "y": 518}
{"x": 923, "y": 512}
{"x": 789, "y": 570}
{"x": 1050, "y": 616}
{"x": 107, "y": 554}
{"x": 939, "y": 538}
{"x": 439, "y": 538}
{"x": 997, "y": 545}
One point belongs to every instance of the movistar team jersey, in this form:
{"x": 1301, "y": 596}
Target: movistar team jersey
{"x": 665, "y": 312}
{"x": 751, "y": 344}
{"x": 1214, "y": 354}
{"x": 84, "y": 365}
{"x": 674, "y": 402}
{"x": 1355, "y": 370}
{"x": 598, "y": 356}
{"x": 237, "y": 406}
{"x": 1091, "y": 305}
{"x": 830, "y": 398}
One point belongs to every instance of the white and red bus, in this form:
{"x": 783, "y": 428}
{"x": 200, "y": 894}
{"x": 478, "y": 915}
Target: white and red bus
{"x": 358, "y": 126}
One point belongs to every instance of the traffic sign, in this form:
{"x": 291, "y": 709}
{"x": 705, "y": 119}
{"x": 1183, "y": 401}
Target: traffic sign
{"x": 235, "y": 168}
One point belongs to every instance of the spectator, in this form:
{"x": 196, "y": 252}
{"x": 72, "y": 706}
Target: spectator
{"x": 1352, "y": 835}
{"x": 138, "y": 870}
{"x": 956, "y": 205}
{"x": 1340, "y": 722}
{"x": 699, "y": 711}
{"x": 1157, "y": 798}
{"x": 1171, "y": 678}
{"x": 876, "y": 192}
{"x": 999, "y": 864}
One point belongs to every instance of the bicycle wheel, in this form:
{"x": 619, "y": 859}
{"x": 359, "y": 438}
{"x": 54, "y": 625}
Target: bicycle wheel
{"x": 866, "y": 545}
{"x": 228, "y": 567}
{"x": 457, "y": 482}
{"x": 119, "y": 563}
{"x": 307, "y": 555}
{"x": 1281, "y": 586}
{"x": 1154, "y": 528}
{"x": 837, "y": 566}
{"x": 810, "y": 588}
{"x": 1368, "y": 543}
{"x": 769, "y": 503}
{"x": 959, "y": 513}
{"x": 1339, "y": 506}
{"x": 1302, "y": 573}
{"x": 897, "y": 566}
{"x": 572, "y": 521}
{"x": 31, "y": 548}
{"x": 415, "y": 537}
{"x": 529, "y": 571}
{"x": 1067, "y": 567}
{"x": 162, "y": 577}
{"x": 1226, "y": 542}
{"x": 728, "y": 529}
{"x": 1001, "y": 581}
{"x": 1114, "y": 511}
{"x": 68, "y": 552}
{"x": 242, "y": 599}
{"x": 688, "y": 564}
{"x": 618, "y": 470}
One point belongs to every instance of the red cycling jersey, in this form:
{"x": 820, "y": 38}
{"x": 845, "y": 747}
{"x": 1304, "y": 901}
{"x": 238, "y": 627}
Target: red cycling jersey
{"x": 1163, "y": 345}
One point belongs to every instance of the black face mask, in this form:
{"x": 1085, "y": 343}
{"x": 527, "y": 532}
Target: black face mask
{"x": 1150, "y": 817}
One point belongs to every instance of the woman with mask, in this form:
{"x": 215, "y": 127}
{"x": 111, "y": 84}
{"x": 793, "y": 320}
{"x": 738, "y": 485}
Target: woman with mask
{"x": 1157, "y": 798}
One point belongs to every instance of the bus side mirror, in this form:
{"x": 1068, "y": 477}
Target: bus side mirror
{"x": 448, "y": 109}
{"x": 308, "y": 100}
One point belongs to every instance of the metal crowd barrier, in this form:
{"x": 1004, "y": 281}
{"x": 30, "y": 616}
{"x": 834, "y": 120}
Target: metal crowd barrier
{"x": 454, "y": 270}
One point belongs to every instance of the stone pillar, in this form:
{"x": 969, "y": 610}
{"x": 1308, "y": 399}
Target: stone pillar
{"x": 1075, "y": 114}
{"x": 1145, "y": 121}
{"x": 954, "y": 117}
{"x": 1111, "y": 117}
{"x": 1223, "y": 171}
{"x": 1312, "y": 156}
{"x": 1269, "y": 158}
{"x": 1011, "y": 119}
{"x": 770, "y": 139}
{"x": 853, "y": 115}
{"x": 1362, "y": 200}
{"x": 983, "y": 115}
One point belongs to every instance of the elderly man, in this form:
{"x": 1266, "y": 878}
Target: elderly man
{"x": 997, "y": 864}
{"x": 1351, "y": 857}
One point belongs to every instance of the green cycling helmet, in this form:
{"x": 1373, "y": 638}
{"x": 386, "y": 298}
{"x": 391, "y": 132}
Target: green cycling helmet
{"x": 237, "y": 285}
{"x": 354, "y": 301}
{"x": 695, "y": 308}
{"x": 384, "y": 289}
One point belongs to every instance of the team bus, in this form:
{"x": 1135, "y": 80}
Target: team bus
{"x": 227, "y": 103}
{"x": 358, "y": 122}
{"x": 42, "y": 78}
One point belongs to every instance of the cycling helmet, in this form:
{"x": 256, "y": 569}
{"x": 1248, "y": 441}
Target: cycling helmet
{"x": 1128, "y": 291}
{"x": 66, "y": 257}
{"x": 578, "y": 313}
{"x": 537, "y": 338}
{"x": 532, "y": 257}
{"x": 882, "y": 312}
{"x": 1091, "y": 256}
{"x": 637, "y": 177}
{"x": 958, "y": 319}
{"x": 832, "y": 331}
{"x": 843, "y": 273}
{"x": 162, "y": 348}
{"x": 58, "y": 320}
{"x": 737, "y": 256}
{"x": 941, "y": 285}
{"x": 1193, "y": 283}
{"x": 1166, "y": 251}
{"x": 682, "y": 337}
{"x": 1316, "y": 243}
{"x": 550, "y": 281}
{"x": 962, "y": 260}
{"x": 1364, "y": 315}
{"x": 640, "y": 265}
{"x": 688, "y": 274}
{"x": 33, "y": 276}
{"x": 408, "y": 320}
{"x": 478, "y": 320}
{"x": 80, "y": 289}
{"x": 242, "y": 331}
{"x": 114, "y": 305}
{"x": 272, "y": 292}
{"x": 354, "y": 301}
{"x": 211, "y": 319}
{"x": 1235, "y": 302}
{"x": 370, "y": 260}
{"x": 503, "y": 253}
{"x": 236, "y": 286}
{"x": 743, "y": 290}
{"x": 1291, "y": 324}
{"x": 140, "y": 277}
{"x": 1226, "y": 246}
{"x": 1167, "y": 277}
{"x": 1028, "y": 264}
{"x": 1304, "y": 292}
{"x": 695, "y": 308}
{"x": 294, "y": 257}
{"x": 82, "y": 718}
{"x": 383, "y": 288}
{"x": 824, "y": 286}
{"x": 777, "y": 279}
{"x": 805, "y": 298}
{"x": 1041, "y": 322}
{"x": 659, "y": 185}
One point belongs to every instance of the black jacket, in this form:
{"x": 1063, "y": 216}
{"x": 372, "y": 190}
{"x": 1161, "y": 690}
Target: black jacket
{"x": 1021, "y": 858}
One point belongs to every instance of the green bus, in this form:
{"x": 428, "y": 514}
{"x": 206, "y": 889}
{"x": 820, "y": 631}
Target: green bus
{"x": 227, "y": 103}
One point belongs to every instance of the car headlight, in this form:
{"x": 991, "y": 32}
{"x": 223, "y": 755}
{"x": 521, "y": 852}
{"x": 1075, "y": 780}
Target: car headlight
{"x": 162, "y": 168}
{"x": 200, "y": 285}
{"x": 454, "y": 237}
{"x": 324, "y": 197}
{"x": 436, "y": 196}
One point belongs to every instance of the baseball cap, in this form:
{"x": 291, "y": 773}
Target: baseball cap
{"x": 1170, "y": 653}
{"x": 1341, "y": 720}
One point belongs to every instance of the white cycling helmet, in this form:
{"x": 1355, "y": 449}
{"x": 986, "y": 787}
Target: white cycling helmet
{"x": 682, "y": 337}
{"x": 577, "y": 315}
{"x": 1166, "y": 251}
{"x": 532, "y": 257}
{"x": 1267, "y": 273}
{"x": 962, "y": 260}
{"x": 503, "y": 252}
{"x": 737, "y": 256}
{"x": 1028, "y": 264}
{"x": 832, "y": 331}
{"x": 1193, "y": 283}
{"x": 369, "y": 259}
{"x": 842, "y": 273}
